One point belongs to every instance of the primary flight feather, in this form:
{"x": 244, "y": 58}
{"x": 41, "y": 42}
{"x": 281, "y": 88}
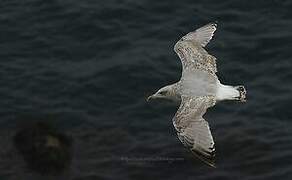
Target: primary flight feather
{"x": 198, "y": 89}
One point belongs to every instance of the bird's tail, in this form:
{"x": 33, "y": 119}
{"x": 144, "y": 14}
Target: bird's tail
{"x": 242, "y": 93}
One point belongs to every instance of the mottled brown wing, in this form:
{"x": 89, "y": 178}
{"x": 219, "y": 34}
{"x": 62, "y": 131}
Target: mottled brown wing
{"x": 202, "y": 35}
{"x": 192, "y": 130}
{"x": 191, "y": 52}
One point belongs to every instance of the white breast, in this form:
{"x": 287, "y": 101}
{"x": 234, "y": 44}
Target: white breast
{"x": 198, "y": 83}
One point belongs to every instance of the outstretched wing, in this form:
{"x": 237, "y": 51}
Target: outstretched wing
{"x": 191, "y": 52}
{"x": 202, "y": 35}
{"x": 192, "y": 130}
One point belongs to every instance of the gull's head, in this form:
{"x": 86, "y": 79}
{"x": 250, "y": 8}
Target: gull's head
{"x": 163, "y": 93}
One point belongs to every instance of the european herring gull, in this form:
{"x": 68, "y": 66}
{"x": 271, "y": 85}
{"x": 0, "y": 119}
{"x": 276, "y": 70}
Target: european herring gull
{"x": 198, "y": 89}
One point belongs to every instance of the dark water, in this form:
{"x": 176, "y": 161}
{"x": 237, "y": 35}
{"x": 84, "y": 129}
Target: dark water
{"x": 90, "y": 64}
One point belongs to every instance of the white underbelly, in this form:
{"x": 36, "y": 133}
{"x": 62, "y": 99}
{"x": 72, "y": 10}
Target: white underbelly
{"x": 199, "y": 83}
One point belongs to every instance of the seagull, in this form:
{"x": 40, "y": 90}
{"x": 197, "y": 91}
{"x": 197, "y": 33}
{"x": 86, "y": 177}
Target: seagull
{"x": 198, "y": 89}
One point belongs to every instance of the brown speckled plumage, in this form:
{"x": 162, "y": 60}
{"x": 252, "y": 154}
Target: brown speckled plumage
{"x": 192, "y": 130}
{"x": 198, "y": 89}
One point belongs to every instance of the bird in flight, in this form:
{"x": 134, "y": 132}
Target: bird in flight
{"x": 198, "y": 89}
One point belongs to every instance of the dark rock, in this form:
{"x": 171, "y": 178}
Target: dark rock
{"x": 44, "y": 148}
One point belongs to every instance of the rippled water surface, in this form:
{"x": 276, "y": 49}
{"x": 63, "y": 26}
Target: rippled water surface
{"x": 88, "y": 66}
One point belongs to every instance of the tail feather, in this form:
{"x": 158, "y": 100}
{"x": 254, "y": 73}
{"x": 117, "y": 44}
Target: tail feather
{"x": 242, "y": 93}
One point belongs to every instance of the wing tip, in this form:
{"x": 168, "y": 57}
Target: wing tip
{"x": 209, "y": 160}
{"x": 213, "y": 24}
